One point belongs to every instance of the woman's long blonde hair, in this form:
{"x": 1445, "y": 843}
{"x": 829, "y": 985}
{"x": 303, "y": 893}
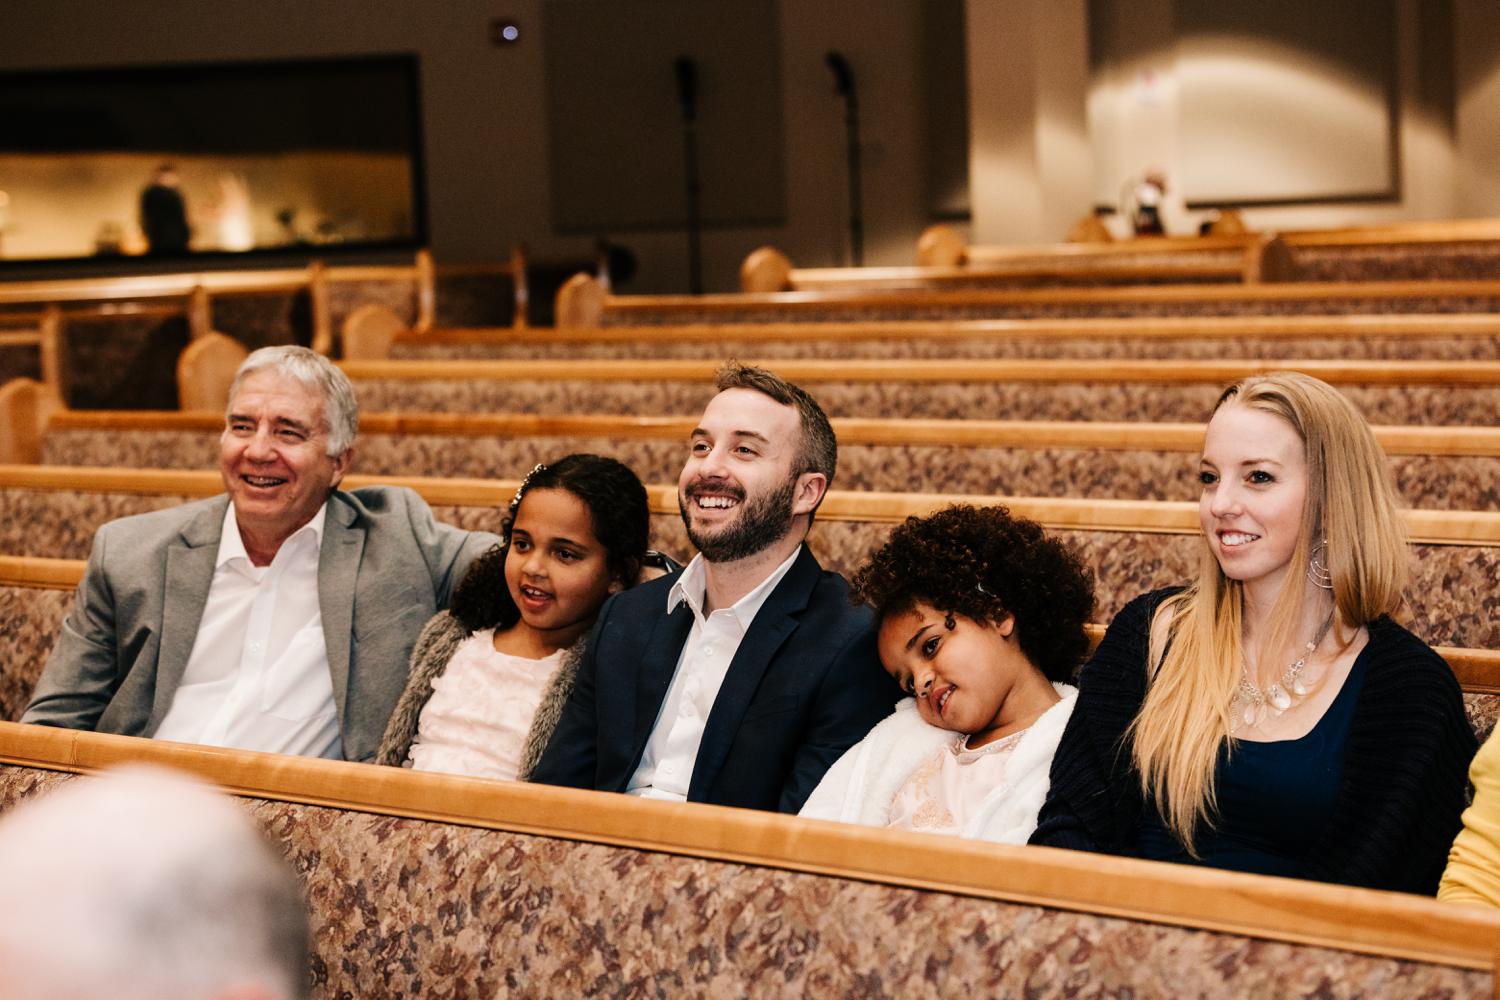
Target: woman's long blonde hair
{"x": 1196, "y": 648}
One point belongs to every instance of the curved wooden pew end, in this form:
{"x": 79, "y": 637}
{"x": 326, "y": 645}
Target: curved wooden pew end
{"x": 941, "y": 246}
{"x": 25, "y": 408}
{"x": 766, "y": 269}
{"x": 369, "y": 330}
{"x": 580, "y": 302}
{"x": 205, "y": 371}
{"x": 1089, "y": 229}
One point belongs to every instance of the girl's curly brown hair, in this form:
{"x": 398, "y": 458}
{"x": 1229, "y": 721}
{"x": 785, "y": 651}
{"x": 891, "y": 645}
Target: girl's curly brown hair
{"x": 983, "y": 563}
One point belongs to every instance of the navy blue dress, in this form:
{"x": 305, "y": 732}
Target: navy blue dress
{"x": 1275, "y": 798}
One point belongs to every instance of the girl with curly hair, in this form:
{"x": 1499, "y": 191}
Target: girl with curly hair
{"x": 489, "y": 677}
{"x": 1271, "y": 717}
{"x": 981, "y": 619}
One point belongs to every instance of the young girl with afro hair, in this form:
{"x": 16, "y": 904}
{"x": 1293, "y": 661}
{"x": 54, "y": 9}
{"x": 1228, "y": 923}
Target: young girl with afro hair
{"x": 981, "y": 619}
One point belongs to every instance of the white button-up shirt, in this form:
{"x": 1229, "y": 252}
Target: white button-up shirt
{"x": 257, "y": 677}
{"x": 666, "y": 767}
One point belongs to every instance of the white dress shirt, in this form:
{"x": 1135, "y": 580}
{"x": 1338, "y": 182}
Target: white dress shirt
{"x": 666, "y": 767}
{"x": 257, "y": 677}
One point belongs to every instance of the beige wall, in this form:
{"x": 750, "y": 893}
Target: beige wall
{"x": 1476, "y": 25}
{"x": 1029, "y": 163}
{"x": 1135, "y": 115}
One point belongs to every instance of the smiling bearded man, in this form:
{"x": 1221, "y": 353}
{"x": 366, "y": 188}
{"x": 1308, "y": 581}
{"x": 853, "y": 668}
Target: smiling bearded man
{"x": 741, "y": 679}
{"x": 278, "y": 616}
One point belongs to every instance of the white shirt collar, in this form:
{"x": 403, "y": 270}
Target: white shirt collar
{"x": 692, "y": 585}
{"x": 232, "y": 546}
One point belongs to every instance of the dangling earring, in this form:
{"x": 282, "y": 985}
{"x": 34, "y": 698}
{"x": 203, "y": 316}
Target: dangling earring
{"x": 1317, "y": 568}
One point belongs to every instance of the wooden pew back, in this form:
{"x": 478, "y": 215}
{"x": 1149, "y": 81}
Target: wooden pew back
{"x": 1246, "y": 259}
{"x": 494, "y": 888}
{"x": 1406, "y": 251}
{"x": 1386, "y": 392}
{"x": 583, "y": 302}
{"x": 1132, "y": 546}
{"x": 1457, "y": 337}
{"x": 37, "y": 593}
{"x": 1433, "y": 467}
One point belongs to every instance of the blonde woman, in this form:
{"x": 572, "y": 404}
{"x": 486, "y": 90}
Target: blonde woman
{"x": 1271, "y": 717}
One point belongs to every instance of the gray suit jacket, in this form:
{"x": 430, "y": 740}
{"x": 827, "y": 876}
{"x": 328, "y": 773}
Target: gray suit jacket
{"x": 384, "y": 568}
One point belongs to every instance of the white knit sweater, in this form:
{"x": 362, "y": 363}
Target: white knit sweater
{"x": 863, "y": 783}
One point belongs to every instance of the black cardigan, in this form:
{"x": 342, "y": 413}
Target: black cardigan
{"x": 1404, "y": 782}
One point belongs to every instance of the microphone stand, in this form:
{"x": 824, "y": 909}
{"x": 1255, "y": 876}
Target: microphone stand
{"x": 843, "y": 85}
{"x": 687, "y": 95}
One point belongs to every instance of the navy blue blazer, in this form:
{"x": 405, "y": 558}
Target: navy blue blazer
{"x": 805, "y": 685}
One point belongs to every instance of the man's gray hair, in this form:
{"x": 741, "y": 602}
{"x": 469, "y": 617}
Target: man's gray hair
{"x": 317, "y": 374}
{"x": 145, "y": 883}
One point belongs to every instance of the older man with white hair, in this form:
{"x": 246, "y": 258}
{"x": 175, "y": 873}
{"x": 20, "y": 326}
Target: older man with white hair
{"x": 278, "y": 616}
{"x": 143, "y": 884}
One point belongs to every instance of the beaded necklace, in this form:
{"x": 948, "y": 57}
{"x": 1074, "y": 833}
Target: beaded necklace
{"x": 1252, "y": 704}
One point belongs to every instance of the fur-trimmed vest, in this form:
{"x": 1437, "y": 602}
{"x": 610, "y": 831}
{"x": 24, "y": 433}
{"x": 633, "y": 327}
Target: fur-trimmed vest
{"x": 440, "y": 638}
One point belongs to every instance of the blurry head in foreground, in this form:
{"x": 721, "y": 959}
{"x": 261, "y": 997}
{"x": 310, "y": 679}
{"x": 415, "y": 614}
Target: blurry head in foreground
{"x": 145, "y": 883}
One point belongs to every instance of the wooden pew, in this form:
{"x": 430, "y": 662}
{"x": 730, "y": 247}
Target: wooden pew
{"x": 1453, "y": 249}
{"x": 297, "y": 305}
{"x": 1466, "y": 337}
{"x": 1132, "y": 545}
{"x": 257, "y": 307}
{"x": 583, "y": 302}
{"x": 1246, "y": 259}
{"x": 1406, "y": 392}
{"x": 1458, "y": 248}
{"x": 1435, "y": 467}
{"x": 497, "y": 888}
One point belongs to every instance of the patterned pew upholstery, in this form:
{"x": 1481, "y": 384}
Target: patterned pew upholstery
{"x": 403, "y": 906}
{"x": 744, "y": 345}
{"x": 670, "y": 310}
{"x": 1439, "y": 482}
{"x": 19, "y": 361}
{"x": 1454, "y": 592}
{"x": 1381, "y": 404}
{"x": 30, "y": 619}
{"x": 1468, "y": 260}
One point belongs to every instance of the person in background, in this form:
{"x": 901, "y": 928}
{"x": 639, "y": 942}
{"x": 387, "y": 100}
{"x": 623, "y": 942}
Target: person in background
{"x": 1272, "y": 717}
{"x": 164, "y": 214}
{"x": 981, "y": 621}
{"x": 142, "y": 884}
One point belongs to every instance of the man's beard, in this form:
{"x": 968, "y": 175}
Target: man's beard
{"x": 762, "y": 522}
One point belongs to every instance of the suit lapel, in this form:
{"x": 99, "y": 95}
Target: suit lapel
{"x": 773, "y": 624}
{"x": 189, "y": 574}
{"x": 338, "y": 571}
